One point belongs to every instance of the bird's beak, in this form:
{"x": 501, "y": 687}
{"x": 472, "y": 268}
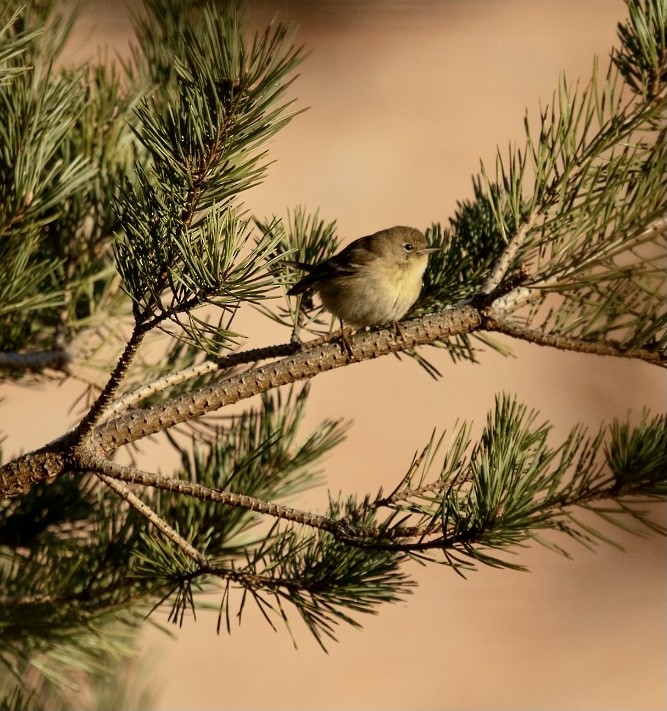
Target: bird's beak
{"x": 429, "y": 250}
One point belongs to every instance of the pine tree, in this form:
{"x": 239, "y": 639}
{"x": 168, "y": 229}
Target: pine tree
{"x": 122, "y": 231}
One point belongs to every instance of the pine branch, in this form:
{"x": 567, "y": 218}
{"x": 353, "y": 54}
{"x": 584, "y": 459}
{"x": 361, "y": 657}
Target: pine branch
{"x": 512, "y": 484}
{"x": 510, "y": 432}
{"x": 96, "y": 411}
{"x": 201, "y": 132}
{"x": 291, "y": 369}
{"x": 131, "y": 475}
{"x": 502, "y": 491}
{"x": 565, "y": 343}
{"x": 35, "y": 360}
{"x": 143, "y": 422}
{"x": 507, "y": 258}
{"x": 171, "y": 382}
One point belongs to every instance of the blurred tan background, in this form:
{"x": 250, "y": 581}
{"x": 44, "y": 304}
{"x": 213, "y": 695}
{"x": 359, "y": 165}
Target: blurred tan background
{"x": 405, "y": 98}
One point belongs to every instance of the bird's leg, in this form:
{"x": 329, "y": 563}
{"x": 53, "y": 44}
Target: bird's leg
{"x": 344, "y": 343}
{"x": 398, "y": 334}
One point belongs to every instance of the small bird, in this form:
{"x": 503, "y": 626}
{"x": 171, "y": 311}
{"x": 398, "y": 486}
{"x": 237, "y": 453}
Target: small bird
{"x": 374, "y": 280}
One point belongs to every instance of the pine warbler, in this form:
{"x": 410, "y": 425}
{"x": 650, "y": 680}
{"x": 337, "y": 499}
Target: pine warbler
{"x": 374, "y": 280}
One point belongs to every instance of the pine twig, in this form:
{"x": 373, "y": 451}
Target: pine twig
{"x": 171, "y": 534}
{"x": 500, "y": 324}
{"x": 95, "y": 413}
{"x": 36, "y": 360}
{"x": 132, "y": 475}
{"x": 341, "y": 529}
{"x": 505, "y": 260}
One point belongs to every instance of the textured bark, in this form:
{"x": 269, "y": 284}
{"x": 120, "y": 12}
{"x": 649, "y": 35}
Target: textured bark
{"x": 302, "y": 366}
{"x": 69, "y": 454}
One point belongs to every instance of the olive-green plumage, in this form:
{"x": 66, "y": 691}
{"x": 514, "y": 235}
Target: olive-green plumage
{"x": 372, "y": 281}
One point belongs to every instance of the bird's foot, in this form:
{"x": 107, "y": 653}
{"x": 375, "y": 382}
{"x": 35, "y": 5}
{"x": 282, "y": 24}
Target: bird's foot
{"x": 398, "y": 333}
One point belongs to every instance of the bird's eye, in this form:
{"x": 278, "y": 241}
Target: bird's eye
{"x": 408, "y": 247}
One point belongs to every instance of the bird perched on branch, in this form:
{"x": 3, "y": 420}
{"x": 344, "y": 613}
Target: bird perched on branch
{"x": 374, "y": 280}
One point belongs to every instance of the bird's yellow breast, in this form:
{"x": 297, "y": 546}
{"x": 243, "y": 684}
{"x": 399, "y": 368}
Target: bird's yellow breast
{"x": 377, "y": 294}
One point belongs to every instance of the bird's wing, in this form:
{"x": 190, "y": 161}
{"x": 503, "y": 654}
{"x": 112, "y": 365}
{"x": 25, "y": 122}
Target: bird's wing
{"x": 345, "y": 263}
{"x": 316, "y": 273}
